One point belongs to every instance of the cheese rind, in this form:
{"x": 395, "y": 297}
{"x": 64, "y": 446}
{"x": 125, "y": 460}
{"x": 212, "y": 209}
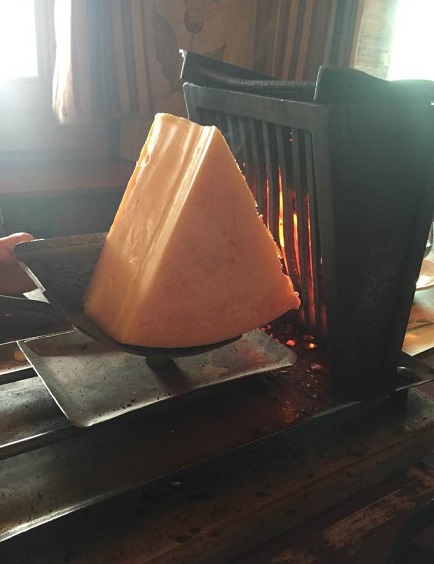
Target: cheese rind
{"x": 187, "y": 261}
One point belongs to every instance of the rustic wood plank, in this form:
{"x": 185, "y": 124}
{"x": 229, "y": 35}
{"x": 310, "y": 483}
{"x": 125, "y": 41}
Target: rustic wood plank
{"x": 224, "y": 508}
{"x": 358, "y": 532}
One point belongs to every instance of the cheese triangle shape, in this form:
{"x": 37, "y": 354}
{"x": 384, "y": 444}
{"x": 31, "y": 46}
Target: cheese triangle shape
{"x": 187, "y": 261}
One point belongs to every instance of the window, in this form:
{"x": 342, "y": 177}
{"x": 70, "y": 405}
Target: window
{"x": 395, "y": 39}
{"x": 26, "y": 54}
{"x": 18, "y": 49}
{"x": 28, "y": 128}
{"x": 412, "y": 45}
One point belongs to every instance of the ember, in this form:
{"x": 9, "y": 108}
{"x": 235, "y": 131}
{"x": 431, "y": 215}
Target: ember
{"x": 301, "y": 392}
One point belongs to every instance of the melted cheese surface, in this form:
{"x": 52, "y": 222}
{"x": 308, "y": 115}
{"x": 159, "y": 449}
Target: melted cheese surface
{"x": 187, "y": 261}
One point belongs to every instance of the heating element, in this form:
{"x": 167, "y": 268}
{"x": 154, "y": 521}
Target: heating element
{"x": 346, "y": 189}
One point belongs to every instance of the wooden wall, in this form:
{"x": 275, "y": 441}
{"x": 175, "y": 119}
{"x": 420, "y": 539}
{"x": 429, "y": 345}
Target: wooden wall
{"x": 222, "y": 29}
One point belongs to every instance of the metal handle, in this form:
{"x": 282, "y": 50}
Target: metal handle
{"x": 12, "y": 305}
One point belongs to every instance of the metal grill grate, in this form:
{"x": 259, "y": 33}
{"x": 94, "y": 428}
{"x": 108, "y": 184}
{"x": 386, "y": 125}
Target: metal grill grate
{"x": 278, "y": 163}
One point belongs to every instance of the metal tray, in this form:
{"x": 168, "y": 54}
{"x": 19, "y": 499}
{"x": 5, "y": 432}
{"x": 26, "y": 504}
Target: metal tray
{"x": 92, "y": 383}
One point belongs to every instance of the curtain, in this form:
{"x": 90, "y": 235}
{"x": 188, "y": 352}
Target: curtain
{"x": 65, "y": 94}
{"x": 101, "y": 66}
{"x": 374, "y": 46}
{"x": 295, "y": 37}
{"x": 120, "y": 57}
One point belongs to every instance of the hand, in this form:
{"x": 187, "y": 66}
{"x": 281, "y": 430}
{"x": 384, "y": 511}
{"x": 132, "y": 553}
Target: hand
{"x": 13, "y": 279}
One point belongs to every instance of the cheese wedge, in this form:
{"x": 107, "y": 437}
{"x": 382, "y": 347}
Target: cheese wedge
{"x": 187, "y": 261}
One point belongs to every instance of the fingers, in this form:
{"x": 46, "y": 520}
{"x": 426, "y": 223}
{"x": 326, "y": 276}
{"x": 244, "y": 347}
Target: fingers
{"x": 13, "y": 279}
{"x": 7, "y": 245}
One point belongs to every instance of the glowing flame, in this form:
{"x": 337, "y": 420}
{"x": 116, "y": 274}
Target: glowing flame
{"x": 281, "y": 229}
{"x": 267, "y": 204}
{"x": 296, "y": 249}
{"x": 295, "y": 238}
{"x": 312, "y": 311}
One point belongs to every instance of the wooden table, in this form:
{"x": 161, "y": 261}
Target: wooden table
{"x": 335, "y": 490}
{"x": 342, "y": 488}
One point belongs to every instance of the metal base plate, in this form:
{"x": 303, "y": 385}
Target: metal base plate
{"x": 92, "y": 383}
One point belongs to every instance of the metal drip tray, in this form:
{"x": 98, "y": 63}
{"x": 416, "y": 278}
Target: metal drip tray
{"x": 92, "y": 383}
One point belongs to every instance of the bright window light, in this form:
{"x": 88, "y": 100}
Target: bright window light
{"x": 413, "y": 42}
{"x": 18, "y": 55}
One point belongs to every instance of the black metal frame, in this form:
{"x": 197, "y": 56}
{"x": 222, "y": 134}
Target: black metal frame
{"x": 358, "y": 176}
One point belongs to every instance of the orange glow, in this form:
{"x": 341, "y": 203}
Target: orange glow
{"x": 295, "y": 239}
{"x": 289, "y": 412}
{"x": 311, "y": 346}
{"x": 281, "y": 230}
{"x": 296, "y": 249}
{"x": 267, "y": 205}
{"x": 311, "y": 279}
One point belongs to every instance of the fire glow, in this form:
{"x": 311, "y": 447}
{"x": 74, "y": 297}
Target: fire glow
{"x": 295, "y": 235}
{"x": 286, "y": 200}
{"x": 281, "y": 233}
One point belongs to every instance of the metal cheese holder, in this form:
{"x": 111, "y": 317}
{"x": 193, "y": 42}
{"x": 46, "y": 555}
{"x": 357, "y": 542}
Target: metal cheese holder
{"x": 61, "y": 268}
{"x": 93, "y": 378}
